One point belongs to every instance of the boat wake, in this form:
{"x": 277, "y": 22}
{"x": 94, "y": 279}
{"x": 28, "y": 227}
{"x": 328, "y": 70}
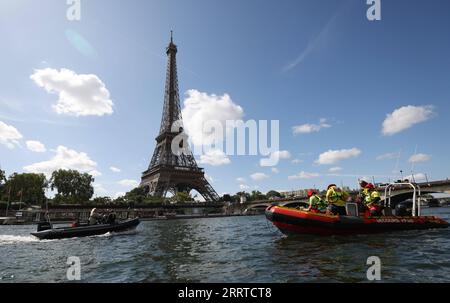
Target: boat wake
{"x": 120, "y": 233}
{"x": 11, "y": 239}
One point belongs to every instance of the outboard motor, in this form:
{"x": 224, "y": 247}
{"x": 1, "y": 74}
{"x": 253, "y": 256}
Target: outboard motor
{"x": 41, "y": 226}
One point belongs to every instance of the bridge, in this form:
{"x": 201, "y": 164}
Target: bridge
{"x": 404, "y": 192}
{"x": 400, "y": 193}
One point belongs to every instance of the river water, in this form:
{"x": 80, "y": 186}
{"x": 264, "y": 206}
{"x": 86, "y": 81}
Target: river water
{"x": 232, "y": 249}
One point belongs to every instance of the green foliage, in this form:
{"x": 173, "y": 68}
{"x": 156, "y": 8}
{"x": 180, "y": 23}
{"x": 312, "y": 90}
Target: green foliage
{"x": 30, "y": 188}
{"x": 137, "y": 196}
{"x": 2, "y": 182}
{"x": 73, "y": 187}
{"x": 273, "y": 194}
{"x": 2, "y": 177}
{"x": 227, "y": 198}
{"x": 102, "y": 201}
{"x": 182, "y": 197}
{"x": 257, "y": 195}
{"x": 238, "y": 195}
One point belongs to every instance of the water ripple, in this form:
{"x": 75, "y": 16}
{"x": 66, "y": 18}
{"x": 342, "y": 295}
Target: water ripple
{"x": 235, "y": 249}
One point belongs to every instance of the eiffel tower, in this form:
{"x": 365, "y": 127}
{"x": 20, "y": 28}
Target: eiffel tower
{"x": 169, "y": 171}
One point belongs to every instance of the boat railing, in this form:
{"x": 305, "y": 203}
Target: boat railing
{"x": 416, "y": 208}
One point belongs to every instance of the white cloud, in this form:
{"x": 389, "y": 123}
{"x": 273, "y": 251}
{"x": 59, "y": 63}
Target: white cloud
{"x": 36, "y": 146}
{"x": 65, "y": 158}
{"x": 9, "y": 135}
{"x": 200, "y": 108}
{"x": 259, "y": 176}
{"x": 95, "y": 173}
{"x": 303, "y": 175}
{"x": 275, "y": 157}
{"x": 297, "y": 161}
{"x": 115, "y": 169}
{"x": 214, "y": 157}
{"x": 334, "y": 156}
{"x": 79, "y": 94}
{"x": 388, "y": 156}
{"x": 310, "y": 128}
{"x": 275, "y": 170}
{"x": 406, "y": 117}
{"x": 128, "y": 183}
{"x": 99, "y": 189}
{"x": 241, "y": 180}
{"x": 419, "y": 158}
{"x": 335, "y": 169}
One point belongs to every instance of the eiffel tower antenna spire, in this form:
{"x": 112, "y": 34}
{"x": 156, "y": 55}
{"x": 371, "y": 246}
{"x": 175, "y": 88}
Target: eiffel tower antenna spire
{"x": 171, "y": 171}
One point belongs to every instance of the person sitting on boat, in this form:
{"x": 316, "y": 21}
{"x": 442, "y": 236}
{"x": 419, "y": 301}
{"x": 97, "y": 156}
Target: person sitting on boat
{"x": 94, "y": 217}
{"x": 76, "y": 223}
{"x": 336, "y": 199}
{"x": 111, "y": 219}
{"x": 372, "y": 200}
{"x": 316, "y": 203}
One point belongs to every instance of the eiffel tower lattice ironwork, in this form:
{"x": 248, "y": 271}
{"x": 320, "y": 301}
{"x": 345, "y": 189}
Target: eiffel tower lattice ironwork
{"x": 171, "y": 171}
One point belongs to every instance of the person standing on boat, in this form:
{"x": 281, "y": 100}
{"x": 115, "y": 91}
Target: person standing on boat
{"x": 316, "y": 203}
{"x": 362, "y": 191}
{"x": 93, "y": 217}
{"x": 372, "y": 200}
{"x": 336, "y": 199}
{"x": 362, "y": 196}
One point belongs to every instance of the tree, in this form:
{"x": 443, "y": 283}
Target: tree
{"x": 102, "y": 201}
{"x": 2, "y": 177}
{"x": 226, "y": 198}
{"x": 72, "y": 186}
{"x": 2, "y": 182}
{"x": 29, "y": 188}
{"x": 240, "y": 194}
{"x": 257, "y": 195}
{"x": 182, "y": 196}
{"x": 273, "y": 194}
{"x": 136, "y": 195}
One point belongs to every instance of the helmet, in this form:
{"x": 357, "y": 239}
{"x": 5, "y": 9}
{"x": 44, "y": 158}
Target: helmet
{"x": 370, "y": 186}
{"x": 311, "y": 192}
{"x": 331, "y": 185}
{"x": 363, "y": 183}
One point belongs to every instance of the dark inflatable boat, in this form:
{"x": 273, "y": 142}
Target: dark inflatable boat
{"x": 294, "y": 221}
{"x": 45, "y": 230}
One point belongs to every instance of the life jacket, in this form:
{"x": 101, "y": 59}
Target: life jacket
{"x": 335, "y": 197}
{"x": 370, "y": 197}
{"x": 317, "y": 202}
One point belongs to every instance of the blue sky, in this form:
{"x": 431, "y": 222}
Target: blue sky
{"x": 293, "y": 61}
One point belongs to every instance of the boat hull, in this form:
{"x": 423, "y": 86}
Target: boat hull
{"x": 293, "y": 221}
{"x": 85, "y": 231}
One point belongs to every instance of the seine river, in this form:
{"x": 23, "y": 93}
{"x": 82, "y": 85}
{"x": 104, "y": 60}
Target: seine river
{"x": 233, "y": 249}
